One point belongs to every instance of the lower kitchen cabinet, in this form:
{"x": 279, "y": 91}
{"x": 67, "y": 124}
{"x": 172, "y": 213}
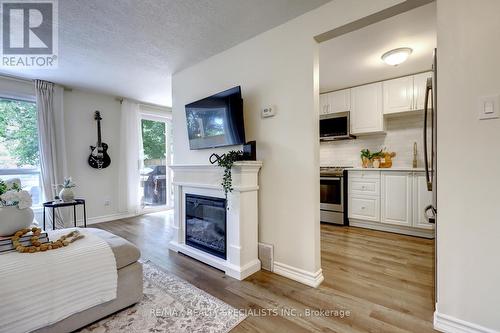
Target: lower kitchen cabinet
{"x": 366, "y": 208}
{"x": 398, "y": 206}
{"x": 396, "y": 195}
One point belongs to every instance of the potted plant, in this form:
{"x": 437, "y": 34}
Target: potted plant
{"x": 375, "y": 158}
{"x": 366, "y": 158}
{"x": 15, "y": 207}
{"x": 66, "y": 193}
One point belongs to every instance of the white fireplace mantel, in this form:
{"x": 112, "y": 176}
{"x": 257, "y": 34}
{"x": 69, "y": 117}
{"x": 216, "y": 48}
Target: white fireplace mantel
{"x": 242, "y": 214}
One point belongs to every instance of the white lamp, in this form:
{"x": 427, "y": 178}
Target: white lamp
{"x": 396, "y": 56}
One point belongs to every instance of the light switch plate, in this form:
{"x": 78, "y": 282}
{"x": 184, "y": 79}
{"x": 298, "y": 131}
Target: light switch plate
{"x": 489, "y": 107}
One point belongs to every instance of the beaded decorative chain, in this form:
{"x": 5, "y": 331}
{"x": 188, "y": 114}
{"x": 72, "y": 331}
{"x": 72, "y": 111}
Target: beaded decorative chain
{"x": 37, "y": 246}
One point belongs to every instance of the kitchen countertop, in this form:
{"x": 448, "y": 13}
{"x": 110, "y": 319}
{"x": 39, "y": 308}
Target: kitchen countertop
{"x": 387, "y": 169}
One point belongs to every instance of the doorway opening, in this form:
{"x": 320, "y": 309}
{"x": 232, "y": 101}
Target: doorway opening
{"x": 376, "y": 242}
{"x": 156, "y": 157}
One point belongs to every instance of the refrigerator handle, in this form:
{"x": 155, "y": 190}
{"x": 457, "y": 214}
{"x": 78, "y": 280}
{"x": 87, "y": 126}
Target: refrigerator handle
{"x": 428, "y": 90}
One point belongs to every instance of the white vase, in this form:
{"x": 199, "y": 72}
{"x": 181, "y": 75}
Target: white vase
{"x": 67, "y": 194}
{"x": 13, "y": 219}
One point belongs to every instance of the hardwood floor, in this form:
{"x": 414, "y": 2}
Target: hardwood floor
{"x": 384, "y": 280}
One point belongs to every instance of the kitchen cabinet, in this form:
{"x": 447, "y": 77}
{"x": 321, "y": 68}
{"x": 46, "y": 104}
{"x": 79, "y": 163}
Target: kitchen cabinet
{"x": 324, "y": 103}
{"x": 421, "y": 199}
{"x": 367, "y": 109}
{"x": 398, "y": 95}
{"x": 365, "y": 187}
{"x": 389, "y": 200}
{"x": 396, "y": 198}
{"x": 405, "y": 94}
{"x": 419, "y": 83}
{"x": 366, "y": 208}
{"x": 336, "y": 101}
{"x": 364, "y": 195}
{"x": 340, "y": 101}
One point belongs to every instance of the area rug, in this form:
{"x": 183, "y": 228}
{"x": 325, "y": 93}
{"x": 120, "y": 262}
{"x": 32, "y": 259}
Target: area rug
{"x": 170, "y": 304}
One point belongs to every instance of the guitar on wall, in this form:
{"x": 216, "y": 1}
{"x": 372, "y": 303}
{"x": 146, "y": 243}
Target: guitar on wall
{"x": 99, "y": 158}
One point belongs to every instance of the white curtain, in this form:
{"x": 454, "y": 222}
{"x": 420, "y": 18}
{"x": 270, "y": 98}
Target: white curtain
{"x": 51, "y": 139}
{"x": 130, "y": 158}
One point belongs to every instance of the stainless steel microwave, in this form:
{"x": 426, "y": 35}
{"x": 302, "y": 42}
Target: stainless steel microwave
{"x": 335, "y": 126}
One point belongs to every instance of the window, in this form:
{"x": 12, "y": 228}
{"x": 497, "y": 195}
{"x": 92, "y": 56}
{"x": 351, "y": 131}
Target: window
{"x": 19, "y": 155}
{"x": 156, "y": 137}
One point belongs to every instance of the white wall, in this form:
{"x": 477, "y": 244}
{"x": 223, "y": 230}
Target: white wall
{"x": 94, "y": 185}
{"x": 401, "y": 133}
{"x": 80, "y": 129}
{"x": 468, "y": 228}
{"x": 278, "y": 67}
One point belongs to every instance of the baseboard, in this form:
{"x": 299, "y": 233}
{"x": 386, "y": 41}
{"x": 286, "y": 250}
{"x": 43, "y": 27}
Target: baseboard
{"x": 449, "y": 324}
{"x": 299, "y": 275}
{"x": 424, "y": 233}
{"x": 107, "y": 218}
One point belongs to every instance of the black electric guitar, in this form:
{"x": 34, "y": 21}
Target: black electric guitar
{"x": 99, "y": 158}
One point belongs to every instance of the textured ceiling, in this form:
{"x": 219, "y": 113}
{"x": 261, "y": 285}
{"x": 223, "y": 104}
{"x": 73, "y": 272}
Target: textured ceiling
{"x": 131, "y": 47}
{"x": 354, "y": 58}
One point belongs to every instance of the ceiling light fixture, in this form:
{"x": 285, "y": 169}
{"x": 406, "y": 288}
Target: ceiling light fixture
{"x": 396, "y": 56}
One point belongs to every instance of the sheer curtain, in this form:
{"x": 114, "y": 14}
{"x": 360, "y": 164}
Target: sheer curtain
{"x": 130, "y": 158}
{"x": 51, "y": 139}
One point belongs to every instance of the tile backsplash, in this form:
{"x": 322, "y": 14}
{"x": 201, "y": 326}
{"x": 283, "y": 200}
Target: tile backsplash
{"x": 401, "y": 132}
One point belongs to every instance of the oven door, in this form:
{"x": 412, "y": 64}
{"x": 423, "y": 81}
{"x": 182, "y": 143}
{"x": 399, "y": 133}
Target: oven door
{"x": 331, "y": 194}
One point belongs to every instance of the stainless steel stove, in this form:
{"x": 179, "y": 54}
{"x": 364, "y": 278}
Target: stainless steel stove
{"x": 333, "y": 194}
{"x": 333, "y": 171}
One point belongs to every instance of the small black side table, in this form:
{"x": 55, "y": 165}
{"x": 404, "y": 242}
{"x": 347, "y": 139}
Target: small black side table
{"x": 54, "y": 205}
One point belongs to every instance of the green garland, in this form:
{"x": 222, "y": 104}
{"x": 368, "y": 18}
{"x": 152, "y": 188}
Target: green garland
{"x": 226, "y": 161}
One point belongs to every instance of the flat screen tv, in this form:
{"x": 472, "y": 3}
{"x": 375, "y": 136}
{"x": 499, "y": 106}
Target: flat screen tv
{"x": 216, "y": 121}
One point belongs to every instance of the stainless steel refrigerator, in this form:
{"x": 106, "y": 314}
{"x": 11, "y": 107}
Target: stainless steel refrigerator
{"x": 430, "y": 154}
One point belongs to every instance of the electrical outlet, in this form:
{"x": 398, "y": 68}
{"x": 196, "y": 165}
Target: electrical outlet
{"x": 107, "y": 202}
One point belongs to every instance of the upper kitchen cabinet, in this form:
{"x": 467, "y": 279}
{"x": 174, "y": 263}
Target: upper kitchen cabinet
{"x": 367, "y": 109}
{"x": 337, "y": 101}
{"x": 324, "y": 104}
{"x": 405, "y": 94}
{"x": 340, "y": 100}
{"x": 419, "y": 84}
{"x": 398, "y": 95}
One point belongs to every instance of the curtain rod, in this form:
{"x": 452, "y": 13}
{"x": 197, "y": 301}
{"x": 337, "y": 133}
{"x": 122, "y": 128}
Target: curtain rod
{"x": 20, "y": 79}
{"x": 157, "y": 106}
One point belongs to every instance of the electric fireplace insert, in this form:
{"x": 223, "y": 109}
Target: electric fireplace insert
{"x": 206, "y": 224}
